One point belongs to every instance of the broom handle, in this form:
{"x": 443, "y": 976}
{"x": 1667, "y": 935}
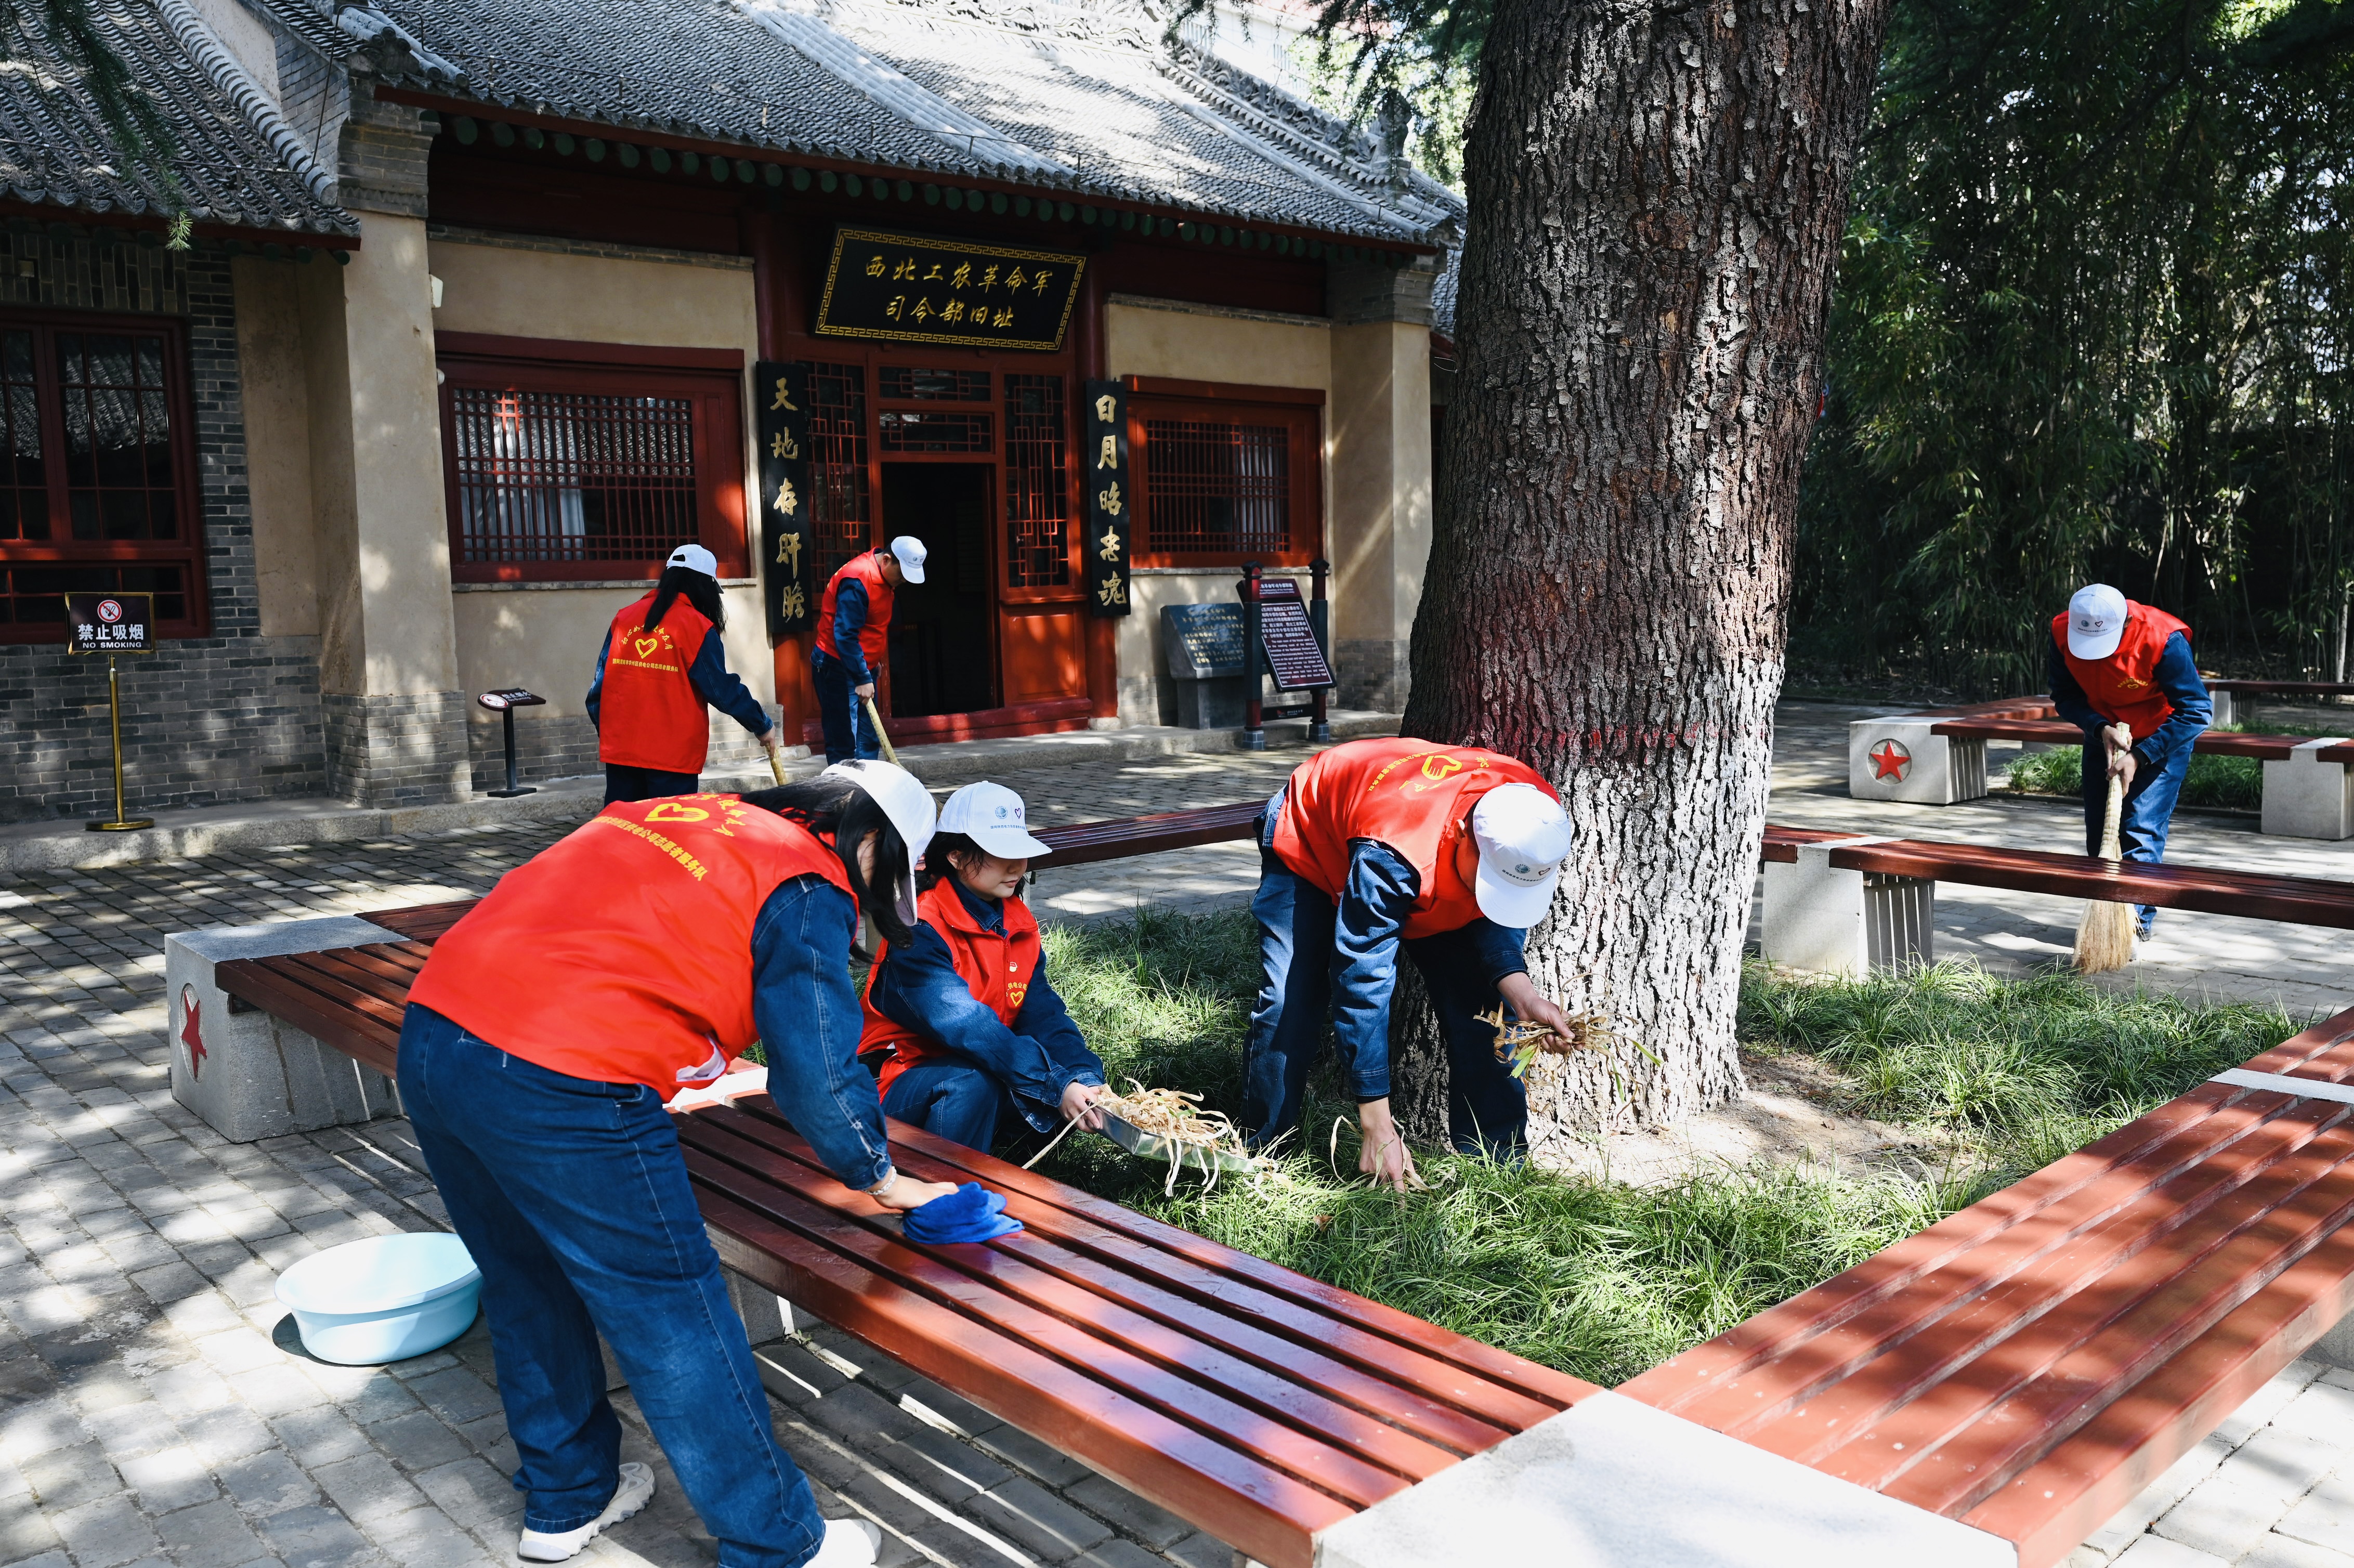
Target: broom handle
{"x": 889, "y": 756}
{"x": 2110, "y": 850}
{"x": 776, "y": 768}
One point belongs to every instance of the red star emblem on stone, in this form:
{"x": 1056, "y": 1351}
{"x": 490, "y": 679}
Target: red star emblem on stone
{"x": 190, "y": 1036}
{"x": 1889, "y": 760}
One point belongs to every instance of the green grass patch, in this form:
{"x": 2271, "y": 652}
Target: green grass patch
{"x": 1604, "y": 1279}
{"x": 2229, "y": 783}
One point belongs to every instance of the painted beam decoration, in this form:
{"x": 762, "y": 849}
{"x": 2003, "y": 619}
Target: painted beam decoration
{"x": 1111, "y": 509}
{"x": 780, "y": 404}
{"x": 904, "y": 288}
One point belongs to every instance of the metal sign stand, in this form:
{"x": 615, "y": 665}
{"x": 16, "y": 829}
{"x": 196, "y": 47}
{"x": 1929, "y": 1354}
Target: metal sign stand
{"x": 505, "y": 704}
{"x": 121, "y": 823}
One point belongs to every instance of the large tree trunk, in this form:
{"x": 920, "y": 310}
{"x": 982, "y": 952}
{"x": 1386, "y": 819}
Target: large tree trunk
{"x": 1657, "y": 198}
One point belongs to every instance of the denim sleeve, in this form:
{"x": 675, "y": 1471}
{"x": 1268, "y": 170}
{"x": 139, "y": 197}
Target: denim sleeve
{"x": 918, "y": 987}
{"x": 2066, "y": 695}
{"x": 597, "y": 683}
{"x": 849, "y": 620}
{"x": 1375, "y": 906}
{"x": 1045, "y": 1019}
{"x": 1499, "y": 950}
{"x": 810, "y": 1022}
{"x": 2194, "y": 710}
{"x": 718, "y": 686}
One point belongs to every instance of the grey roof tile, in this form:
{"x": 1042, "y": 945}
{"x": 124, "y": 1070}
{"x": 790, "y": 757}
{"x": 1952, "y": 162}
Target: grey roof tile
{"x": 235, "y": 163}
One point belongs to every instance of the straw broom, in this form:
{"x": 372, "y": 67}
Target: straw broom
{"x": 2104, "y": 936}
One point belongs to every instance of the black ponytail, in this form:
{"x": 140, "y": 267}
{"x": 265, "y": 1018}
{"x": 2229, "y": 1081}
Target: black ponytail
{"x": 838, "y": 809}
{"x": 700, "y": 589}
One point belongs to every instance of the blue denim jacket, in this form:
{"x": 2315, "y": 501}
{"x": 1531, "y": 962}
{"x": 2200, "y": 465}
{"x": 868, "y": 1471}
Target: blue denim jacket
{"x": 1038, "y": 1058}
{"x": 1369, "y": 925}
{"x": 810, "y": 1022}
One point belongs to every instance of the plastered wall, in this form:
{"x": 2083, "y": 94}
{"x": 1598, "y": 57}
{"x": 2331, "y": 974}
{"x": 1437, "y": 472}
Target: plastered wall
{"x": 278, "y": 444}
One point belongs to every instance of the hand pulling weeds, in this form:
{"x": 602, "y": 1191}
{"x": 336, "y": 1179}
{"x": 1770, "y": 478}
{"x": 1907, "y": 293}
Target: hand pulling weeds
{"x": 1174, "y": 1129}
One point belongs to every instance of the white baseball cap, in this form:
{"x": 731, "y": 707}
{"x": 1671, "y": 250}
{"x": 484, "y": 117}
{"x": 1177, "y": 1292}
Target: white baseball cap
{"x": 908, "y": 805}
{"x": 993, "y": 817}
{"x": 694, "y": 558}
{"x": 909, "y": 552}
{"x": 2097, "y": 622}
{"x": 1523, "y": 837}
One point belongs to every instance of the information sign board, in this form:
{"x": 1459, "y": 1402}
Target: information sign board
{"x": 111, "y": 622}
{"x": 1205, "y": 640}
{"x": 905, "y": 288}
{"x": 1293, "y": 655}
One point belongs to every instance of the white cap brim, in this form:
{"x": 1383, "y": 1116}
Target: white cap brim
{"x": 913, "y": 574}
{"x": 1008, "y": 844}
{"x": 2100, "y": 647}
{"x": 1510, "y": 903}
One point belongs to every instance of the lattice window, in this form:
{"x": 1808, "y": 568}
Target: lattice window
{"x": 1037, "y": 483}
{"x": 97, "y": 487}
{"x": 908, "y": 431}
{"x": 901, "y": 381}
{"x": 1217, "y": 487}
{"x": 567, "y": 476}
{"x": 840, "y": 509}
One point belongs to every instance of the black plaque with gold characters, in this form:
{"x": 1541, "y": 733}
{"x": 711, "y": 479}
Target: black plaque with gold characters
{"x": 904, "y": 288}
{"x": 780, "y": 403}
{"x": 112, "y": 623}
{"x": 1111, "y": 509}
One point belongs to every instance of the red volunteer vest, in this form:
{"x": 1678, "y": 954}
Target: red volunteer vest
{"x": 875, "y": 637}
{"x": 995, "y": 969}
{"x": 1411, "y": 795}
{"x": 622, "y": 953}
{"x": 2122, "y": 687}
{"x": 651, "y": 716}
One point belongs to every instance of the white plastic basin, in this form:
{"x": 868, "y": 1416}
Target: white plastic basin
{"x": 383, "y": 1300}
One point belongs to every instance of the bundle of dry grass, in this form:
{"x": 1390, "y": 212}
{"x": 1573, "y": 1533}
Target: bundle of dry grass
{"x": 2104, "y": 936}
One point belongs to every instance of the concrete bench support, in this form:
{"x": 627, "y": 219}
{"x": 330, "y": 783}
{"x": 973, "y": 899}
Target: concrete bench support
{"x": 1896, "y": 759}
{"x": 1612, "y": 1483}
{"x": 2306, "y": 798}
{"x": 1849, "y": 923}
{"x": 250, "y": 1076}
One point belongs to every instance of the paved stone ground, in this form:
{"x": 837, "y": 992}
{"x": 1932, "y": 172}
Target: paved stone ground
{"x": 155, "y": 1409}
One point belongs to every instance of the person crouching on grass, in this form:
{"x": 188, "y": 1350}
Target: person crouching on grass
{"x": 975, "y": 1033}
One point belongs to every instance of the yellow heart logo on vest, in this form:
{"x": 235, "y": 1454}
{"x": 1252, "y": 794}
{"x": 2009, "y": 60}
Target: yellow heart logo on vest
{"x": 646, "y": 646}
{"x": 1437, "y": 766}
{"x": 667, "y": 812}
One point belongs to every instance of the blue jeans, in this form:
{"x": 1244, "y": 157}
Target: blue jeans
{"x": 623, "y": 782}
{"x": 1487, "y": 1108}
{"x": 572, "y": 1198}
{"x": 956, "y": 1098}
{"x": 848, "y": 733}
{"x": 2149, "y": 806}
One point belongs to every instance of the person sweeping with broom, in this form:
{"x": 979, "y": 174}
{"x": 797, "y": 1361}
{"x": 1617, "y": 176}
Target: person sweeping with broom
{"x": 1448, "y": 851}
{"x": 2122, "y": 673}
{"x": 854, "y": 638}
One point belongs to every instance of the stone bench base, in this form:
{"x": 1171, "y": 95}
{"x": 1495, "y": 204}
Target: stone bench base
{"x": 2306, "y": 798}
{"x": 250, "y": 1076}
{"x": 1849, "y": 923}
{"x": 1896, "y": 759}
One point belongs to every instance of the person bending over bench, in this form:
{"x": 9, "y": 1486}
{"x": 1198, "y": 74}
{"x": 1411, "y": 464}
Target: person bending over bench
{"x": 975, "y": 1034}
{"x": 2123, "y": 673}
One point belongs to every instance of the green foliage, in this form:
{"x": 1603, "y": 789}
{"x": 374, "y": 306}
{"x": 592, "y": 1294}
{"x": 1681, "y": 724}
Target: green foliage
{"x": 1601, "y": 1278}
{"x": 2233, "y": 783}
{"x": 2089, "y": 325}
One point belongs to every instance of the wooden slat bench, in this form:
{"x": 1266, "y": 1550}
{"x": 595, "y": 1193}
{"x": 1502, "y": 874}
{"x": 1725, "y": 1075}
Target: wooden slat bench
{"x": 2027, "y": 1365}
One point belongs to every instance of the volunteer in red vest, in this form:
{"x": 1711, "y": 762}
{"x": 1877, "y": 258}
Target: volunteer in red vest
{"x": 1448, "y": 852}
{"x": 853, "y": 640}
{"x": 2122, "y": 673}
{"x": 631, "y": 960}
{"x": 662, "y": 667}
{"x": 977, "y": 1041}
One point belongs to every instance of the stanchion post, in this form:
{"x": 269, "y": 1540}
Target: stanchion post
{"x": 1320, "y": 615}
{"x": 119, "y": 823}
{"x": 1254, "y": 720}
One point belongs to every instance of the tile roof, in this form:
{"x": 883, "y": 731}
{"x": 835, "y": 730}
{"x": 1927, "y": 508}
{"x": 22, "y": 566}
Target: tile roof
{"x": 237, "y": 161}
{"x": 1089, "y": 97}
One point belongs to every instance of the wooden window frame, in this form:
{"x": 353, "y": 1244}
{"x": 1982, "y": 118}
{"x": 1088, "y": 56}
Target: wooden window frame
{"x": 188, "y": 552}
{"x": 1299, "y": 408}
{"x": 711, "y": 379}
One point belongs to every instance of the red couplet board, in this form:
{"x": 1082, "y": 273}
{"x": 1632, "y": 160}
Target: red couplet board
{"x": 1293, "y": 656}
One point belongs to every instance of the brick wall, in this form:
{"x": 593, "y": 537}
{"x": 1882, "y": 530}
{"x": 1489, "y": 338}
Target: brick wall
{"x": 566, "y": 747}
{"x": 233, "y": 716}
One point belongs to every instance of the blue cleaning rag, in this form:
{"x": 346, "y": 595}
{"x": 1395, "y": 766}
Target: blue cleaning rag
{"x": 970, "y": 1213}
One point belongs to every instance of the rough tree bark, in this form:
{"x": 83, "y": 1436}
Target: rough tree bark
{"x": 1657, "y": 198}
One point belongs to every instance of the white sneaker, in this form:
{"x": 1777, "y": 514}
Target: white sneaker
{"x": 637, "y": 1486}
{"x": 849, "y": 1543}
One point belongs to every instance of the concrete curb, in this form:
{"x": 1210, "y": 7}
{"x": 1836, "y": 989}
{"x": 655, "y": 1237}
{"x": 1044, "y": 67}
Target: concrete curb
{"x": 28, "y": 848}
